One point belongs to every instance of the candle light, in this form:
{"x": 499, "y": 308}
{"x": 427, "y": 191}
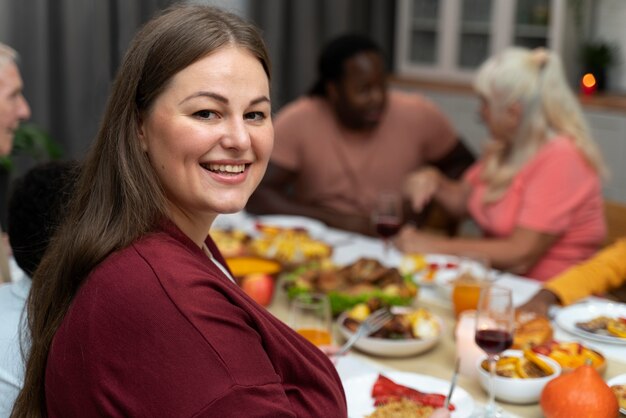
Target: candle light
{"x": 588, "y": 84}
{"x": 466, "y": 349}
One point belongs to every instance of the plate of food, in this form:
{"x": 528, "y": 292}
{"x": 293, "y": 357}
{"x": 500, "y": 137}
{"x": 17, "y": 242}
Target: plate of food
{"x": 351, "y": 284}
{"x": 411, "y": 331}
{"x": 429, "y": 269}
{"x": 598, "y": 321}
{"x": 367, "y": 393}
{"x": 288, "y": 245}
{"x": 618, "y": 386}
{"x": 315, "y": 228}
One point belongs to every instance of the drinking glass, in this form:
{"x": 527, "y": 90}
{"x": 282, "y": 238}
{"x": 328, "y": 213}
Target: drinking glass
{"x": 309, "y": 316}
{"x": 472, "y": 276}
{"x": 387, "y": 216}
{"x": 494, "y": 334}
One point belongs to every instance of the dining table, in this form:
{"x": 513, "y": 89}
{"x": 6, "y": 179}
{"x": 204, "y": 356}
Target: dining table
{"x": 438, "y": 361}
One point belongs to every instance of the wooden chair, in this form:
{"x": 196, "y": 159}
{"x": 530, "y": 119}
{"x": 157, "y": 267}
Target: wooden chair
{"x": 615, "y": 214}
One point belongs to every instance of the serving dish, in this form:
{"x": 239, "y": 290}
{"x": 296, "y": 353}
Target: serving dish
{"x": 351, "y": 284}
{"x": 517, "y": 390}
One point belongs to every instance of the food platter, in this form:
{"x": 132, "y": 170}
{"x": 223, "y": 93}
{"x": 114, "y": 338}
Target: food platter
{"x": 567, "y": 318}
{"x": 358, "y": 391}
{"x": 351, "y": 284}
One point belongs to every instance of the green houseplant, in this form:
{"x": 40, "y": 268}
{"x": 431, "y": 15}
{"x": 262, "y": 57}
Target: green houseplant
{"x": 34, "y": 142}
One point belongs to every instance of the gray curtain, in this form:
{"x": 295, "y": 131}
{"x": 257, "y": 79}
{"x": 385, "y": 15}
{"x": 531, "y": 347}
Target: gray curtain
{"x": 69, "y": 52}
{"x": 296, "y": 30}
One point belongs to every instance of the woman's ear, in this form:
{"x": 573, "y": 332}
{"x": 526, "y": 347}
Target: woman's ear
{"x": 515, "y": 113}
{"x": 141, "y": 134}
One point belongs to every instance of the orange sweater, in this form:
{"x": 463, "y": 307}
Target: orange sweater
{"x": 605, "y": 271}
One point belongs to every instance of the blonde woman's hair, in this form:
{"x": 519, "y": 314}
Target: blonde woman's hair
{"x": 7, "y": 54}
{"x": 535, "y": 80}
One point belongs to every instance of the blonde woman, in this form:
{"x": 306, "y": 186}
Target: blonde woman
{"x": 536, "y": 192}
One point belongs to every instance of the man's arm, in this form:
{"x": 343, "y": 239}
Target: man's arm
{"x": 274, "y": 196}
{"x": 456, "y": 161}
{"x": 452, "y": 165}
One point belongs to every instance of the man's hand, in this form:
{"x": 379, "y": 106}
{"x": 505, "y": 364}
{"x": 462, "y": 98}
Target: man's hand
{"x": 421, "y": 186}
{"x": 540, "y": 303}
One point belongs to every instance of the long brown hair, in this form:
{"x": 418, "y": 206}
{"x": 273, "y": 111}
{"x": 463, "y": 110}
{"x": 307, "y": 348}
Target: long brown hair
{"x": 118, "y": 197}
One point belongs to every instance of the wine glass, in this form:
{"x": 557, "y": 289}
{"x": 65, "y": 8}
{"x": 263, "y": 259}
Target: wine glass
{"x": 494, "y": 334}
{"x": 387, "y": 216}
{"x": 309, "y": 316}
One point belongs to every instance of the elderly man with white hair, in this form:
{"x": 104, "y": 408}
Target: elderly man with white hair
{"x": 13, "y": 110}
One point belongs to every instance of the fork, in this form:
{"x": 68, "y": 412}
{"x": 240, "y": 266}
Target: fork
{"x": 371, "y": 324}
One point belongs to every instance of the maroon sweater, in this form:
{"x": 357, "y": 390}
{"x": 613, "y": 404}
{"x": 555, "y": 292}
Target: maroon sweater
{"x": 158, "y": 331}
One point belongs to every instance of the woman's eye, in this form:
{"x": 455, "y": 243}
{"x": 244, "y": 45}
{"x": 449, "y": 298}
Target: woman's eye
{"x": 204, "y": 114}
{"x": 255, "y": 116}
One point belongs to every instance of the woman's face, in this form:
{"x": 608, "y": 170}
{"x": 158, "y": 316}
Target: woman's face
{"x": 502, "y": 123}
{"x": 209, "y": 135}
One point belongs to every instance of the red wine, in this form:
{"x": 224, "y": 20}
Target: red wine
{"x": 387, "y": 229}
{"x": 494, "y": 341}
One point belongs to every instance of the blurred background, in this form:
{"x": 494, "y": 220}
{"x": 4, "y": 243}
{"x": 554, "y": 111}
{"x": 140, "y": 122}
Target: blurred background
{"x": 70, "y": 49}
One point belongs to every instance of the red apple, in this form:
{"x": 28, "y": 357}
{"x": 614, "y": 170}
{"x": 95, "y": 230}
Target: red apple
{"x": 259, "y": 286}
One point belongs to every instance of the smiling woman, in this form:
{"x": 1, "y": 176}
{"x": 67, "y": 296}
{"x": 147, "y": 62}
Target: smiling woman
{"x": 133, "y": 303}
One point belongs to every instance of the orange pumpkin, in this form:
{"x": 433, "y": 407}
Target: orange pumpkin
{"x": 581, "y": 394}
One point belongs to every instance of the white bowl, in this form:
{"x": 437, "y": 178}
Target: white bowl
{"x": 515, "y": 390}
{"x": 391, "y": 348}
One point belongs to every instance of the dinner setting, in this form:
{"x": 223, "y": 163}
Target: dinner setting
{"x": 418, "y": 344}
{"x": 254, "y": 208}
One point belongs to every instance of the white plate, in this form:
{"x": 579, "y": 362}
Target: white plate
{"x": 392, "y": 348}
{"x": 359, "y": 392}
{"x": 441, "y": 276}
{"x": 567, "y": 318}
{"x": 617, "y": 380}
{"x": 315, "y": 228}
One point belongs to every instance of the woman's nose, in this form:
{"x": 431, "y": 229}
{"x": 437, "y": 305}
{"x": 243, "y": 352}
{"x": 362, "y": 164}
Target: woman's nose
{"x": 237, "y": 135}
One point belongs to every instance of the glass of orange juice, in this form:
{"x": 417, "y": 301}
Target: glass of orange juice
{"x": 473, "y": 275}
{"x": 309, "y": 316}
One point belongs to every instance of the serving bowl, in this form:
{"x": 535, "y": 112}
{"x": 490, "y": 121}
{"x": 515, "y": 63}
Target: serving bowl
{"x": 518, "y": 390}
{"x": 392, "y": 347}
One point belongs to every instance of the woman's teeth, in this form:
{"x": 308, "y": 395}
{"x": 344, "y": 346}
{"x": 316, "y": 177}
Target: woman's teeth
{"x": 225, "y": 168}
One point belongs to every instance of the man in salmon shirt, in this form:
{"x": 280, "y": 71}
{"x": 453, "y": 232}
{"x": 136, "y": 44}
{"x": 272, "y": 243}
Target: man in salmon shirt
{"x": 351, "y": 138}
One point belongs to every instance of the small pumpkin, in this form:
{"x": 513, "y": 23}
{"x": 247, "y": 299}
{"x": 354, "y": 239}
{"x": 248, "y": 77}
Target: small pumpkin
{"x": 581, "y": 394}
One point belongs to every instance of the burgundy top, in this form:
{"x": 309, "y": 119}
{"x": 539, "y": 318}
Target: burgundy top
{"x": 158, "y": 331}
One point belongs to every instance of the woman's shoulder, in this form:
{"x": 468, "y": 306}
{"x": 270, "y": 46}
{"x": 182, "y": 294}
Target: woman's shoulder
{"x": 561, "y": 145}
{"x": 560, "y": 152}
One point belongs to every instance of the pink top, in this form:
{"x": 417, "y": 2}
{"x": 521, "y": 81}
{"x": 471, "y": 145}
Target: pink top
{"x": 556, "y": 193}
{"x": 345, "y": 170}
